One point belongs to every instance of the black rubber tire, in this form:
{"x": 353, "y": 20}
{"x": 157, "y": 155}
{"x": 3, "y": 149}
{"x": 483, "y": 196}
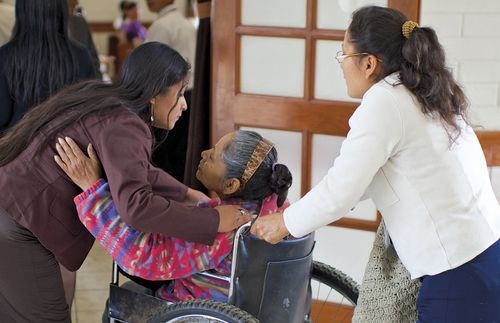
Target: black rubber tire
{"x": 337, "y": 280}
{"x": 210, "y": 309}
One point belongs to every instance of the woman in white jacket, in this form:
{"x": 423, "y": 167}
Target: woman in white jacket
{"x": 412, "y": 150}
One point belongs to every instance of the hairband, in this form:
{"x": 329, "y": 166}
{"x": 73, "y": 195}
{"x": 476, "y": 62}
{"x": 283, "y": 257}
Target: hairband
{"x": 259, "y": 153}
{"x": 408, "y": 27}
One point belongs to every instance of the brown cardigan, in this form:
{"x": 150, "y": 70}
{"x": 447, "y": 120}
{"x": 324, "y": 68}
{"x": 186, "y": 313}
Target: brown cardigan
{"x": 39, "y": 196}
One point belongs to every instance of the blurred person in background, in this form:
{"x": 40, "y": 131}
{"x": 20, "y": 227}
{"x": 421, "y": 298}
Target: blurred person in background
{"x": 78, "y": 30}
{"x": 7, "y": 20}
{"x": 134, "y": 31}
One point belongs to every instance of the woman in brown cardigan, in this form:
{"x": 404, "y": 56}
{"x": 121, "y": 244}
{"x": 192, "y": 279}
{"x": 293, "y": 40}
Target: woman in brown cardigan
{"x": 39, "y": 225}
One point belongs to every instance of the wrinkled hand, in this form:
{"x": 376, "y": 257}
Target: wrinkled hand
{"x": 194, "y": 197}
{"x": 82, "y": 170}
{"x": 270, "y": 228}
{"x": 232, "y": 217}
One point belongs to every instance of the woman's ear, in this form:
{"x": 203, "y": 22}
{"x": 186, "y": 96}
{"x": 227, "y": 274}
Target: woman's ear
{"x": 371, "y": 66}
{"x": 153, "y": 101}
{"x": 231, "y": 186}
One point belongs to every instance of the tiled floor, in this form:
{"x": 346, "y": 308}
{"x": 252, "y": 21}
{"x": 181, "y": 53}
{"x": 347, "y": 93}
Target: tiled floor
{"x": 92, "y": 287}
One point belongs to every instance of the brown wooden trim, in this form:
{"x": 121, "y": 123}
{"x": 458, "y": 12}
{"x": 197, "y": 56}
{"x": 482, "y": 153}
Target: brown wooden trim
{"x": 490, "y": 142}
{"x": 309, "y": 68}
{"x": 237, "y": 51}
{"x": 224, "y": 15}
{"x": 271, "y": 31}
{"x": 237, "y": 70}
{"x": 309, "y": 52}
{"x": 309, "y": 64}
{"x": 411, "y": 8}
{"x": 101, "y": 27}
{"x": 311, "y": 17}
{"x": 204, "y": 9}
{"x": 292, "y": 114}
{"x": 327, "y": 312}
{"x": 107, "y": 26}
{"x": 238, "y": 13}
{"x": 305, "y": 181}
{"x": 327, "y": 34}
{"x": 290, "y": 32}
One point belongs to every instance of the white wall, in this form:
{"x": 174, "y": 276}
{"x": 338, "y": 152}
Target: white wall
{"x": 469, "y": 32}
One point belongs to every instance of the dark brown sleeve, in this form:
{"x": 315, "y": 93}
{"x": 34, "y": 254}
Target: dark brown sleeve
{"x": 139, "y": 190}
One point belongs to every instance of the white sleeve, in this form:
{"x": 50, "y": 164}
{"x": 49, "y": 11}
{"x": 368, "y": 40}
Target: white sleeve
{"x": 376, "y": 130}
{"x": 159, "y": 33}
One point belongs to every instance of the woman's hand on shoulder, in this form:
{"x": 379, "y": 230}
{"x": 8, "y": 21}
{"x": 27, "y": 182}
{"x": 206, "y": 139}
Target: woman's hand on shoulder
{"x": 82, "y": 170}
{"x": 232, "y": 217}
{"x": 270, "y": 228}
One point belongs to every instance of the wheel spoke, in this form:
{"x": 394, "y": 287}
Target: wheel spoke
{"x": 336, "y": 300}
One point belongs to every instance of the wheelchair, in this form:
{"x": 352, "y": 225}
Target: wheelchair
{"x": 265, "y": 285}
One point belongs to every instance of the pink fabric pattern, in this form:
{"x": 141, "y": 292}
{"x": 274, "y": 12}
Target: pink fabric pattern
{"x": 154, "y": 256}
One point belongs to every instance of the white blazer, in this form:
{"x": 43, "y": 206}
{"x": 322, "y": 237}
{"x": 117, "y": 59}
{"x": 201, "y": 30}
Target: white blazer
{"x": 436, "y": 199}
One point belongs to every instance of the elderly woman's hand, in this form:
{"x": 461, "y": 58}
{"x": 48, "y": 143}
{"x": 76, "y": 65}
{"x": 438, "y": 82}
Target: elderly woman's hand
{"x": 270, "y": 228}
{"x": 82, "y": 170}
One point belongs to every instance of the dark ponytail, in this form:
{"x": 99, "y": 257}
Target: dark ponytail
{"x": 269, "y": 177}
{"x": 419, "y": 59}
{"x": 424, "y": 73}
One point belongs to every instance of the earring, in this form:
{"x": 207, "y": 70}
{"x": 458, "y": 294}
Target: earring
{"x": 152, "y": 112}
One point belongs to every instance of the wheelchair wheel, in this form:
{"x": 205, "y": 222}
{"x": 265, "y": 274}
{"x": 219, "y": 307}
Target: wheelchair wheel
{"x": 202, "y": 311}
{"x": 334, "y": 295}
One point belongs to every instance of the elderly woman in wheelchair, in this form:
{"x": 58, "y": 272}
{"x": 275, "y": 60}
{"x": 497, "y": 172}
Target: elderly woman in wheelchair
{"x": 242, "y": 170}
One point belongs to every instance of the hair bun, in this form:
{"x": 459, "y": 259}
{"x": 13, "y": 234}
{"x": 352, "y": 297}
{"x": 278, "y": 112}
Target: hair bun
{"x": 281, "y": 180}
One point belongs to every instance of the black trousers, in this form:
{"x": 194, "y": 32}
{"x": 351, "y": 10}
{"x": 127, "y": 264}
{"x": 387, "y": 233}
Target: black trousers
{"x": 31, "y": 288}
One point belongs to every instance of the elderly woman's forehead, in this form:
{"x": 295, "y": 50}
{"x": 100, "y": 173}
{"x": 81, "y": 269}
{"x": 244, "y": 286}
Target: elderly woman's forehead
{"x": 225, "y": 140}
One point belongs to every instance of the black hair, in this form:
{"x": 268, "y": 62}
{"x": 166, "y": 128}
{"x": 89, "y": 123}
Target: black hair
{"x": 269, "y": 177}
{"x": 125, "y": 6}
{"x": 419, "y": 59}
{"x": 150, "y": 70}
{"x": 38, "y": 59}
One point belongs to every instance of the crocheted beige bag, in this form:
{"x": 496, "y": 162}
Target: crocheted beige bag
{"x": 387, "y": 294}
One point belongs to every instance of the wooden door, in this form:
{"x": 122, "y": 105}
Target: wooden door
{"x": 306, "y": 107}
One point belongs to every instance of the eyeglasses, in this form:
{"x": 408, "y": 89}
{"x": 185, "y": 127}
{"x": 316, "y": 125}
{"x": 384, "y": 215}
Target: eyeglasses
{"x": 340, "y": 56}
